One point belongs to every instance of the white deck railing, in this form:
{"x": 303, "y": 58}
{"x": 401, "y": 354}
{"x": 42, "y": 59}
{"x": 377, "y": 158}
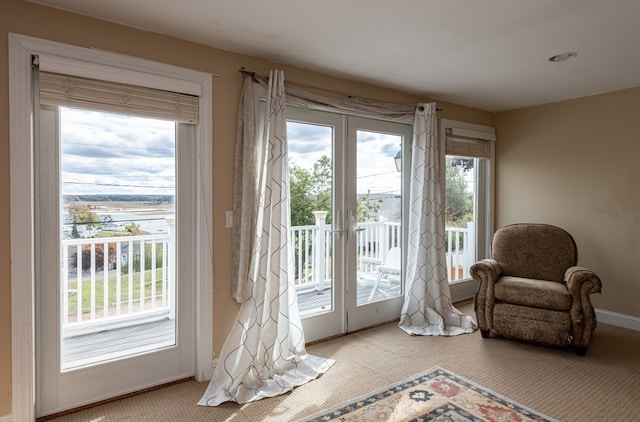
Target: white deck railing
{"x": 461, "y": 253}
{"x": 104, "y": 288}
{"x": 312, "y": 249}
{"x": 115, "y": 280}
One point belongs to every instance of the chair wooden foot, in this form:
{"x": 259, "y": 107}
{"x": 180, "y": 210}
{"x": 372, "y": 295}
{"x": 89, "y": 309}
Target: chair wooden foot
{"x": 485, "y": 333}
{"x": 581, "y": 351}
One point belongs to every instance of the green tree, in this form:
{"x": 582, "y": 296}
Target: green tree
{"x": 81, "y": 214}
{"x": 322, "y": 184}
{"x": 311, "y": 191}
{"x": 134, "y": 229}
{"x": 459, "y": 202}
{"x": 302, "y": 202}
{"x": 366, "y": 208}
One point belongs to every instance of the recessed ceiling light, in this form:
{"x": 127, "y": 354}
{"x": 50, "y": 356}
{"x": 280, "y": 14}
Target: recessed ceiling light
{"x": 562, "y": 57}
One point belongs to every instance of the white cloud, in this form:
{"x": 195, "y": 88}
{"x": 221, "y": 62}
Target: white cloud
{"x": 376, "y": 168}
{"x": 308, "y": 142}
{"x": 106, "y": 153}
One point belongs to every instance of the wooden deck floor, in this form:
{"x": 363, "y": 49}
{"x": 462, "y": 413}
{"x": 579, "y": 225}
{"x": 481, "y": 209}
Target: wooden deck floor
{"x": 112, "y": 344}
{"x": 311, "y": 300}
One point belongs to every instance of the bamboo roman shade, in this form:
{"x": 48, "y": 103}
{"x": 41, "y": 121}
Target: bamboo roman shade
{"x": 93, "y": 94}
{"x": 468, "y": 143}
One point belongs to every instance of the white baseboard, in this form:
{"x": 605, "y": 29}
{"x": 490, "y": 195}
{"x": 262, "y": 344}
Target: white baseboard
{"x": 5, "y": 418}
{"x": 463, "y": 290}
{"x": 614, "y": 318}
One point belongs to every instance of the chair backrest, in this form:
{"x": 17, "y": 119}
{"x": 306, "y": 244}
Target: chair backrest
{"x": 538, "y": 251}
{"x": 394, "y": 258}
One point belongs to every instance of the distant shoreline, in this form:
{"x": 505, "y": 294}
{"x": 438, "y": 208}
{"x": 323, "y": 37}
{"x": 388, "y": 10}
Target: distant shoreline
{"x": 117, "y": 198}
{"x": 128, "y": 204}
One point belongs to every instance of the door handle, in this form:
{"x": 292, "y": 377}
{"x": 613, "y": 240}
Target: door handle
{"x": 353, "y": 225}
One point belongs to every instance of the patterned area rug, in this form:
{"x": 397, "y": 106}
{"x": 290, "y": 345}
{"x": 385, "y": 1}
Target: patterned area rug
{"x": 435, "y": 395}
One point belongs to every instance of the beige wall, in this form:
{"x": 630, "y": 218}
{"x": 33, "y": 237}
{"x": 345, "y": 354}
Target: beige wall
{"x": 25, "y": 18}
{"x": 576, "y": 164}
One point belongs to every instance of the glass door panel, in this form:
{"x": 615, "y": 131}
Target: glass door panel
{"x": 310, "y": 169}
{"x": 316, "y": 219}
{"x": 378, "y": 215}
{"x": 117, "y": 234}
{"x": 376, "y": 151}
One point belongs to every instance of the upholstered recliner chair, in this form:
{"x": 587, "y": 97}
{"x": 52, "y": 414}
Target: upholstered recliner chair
{"x": 532, "y": 290}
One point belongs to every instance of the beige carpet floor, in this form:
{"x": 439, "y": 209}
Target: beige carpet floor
{"x": 603, "y": 386}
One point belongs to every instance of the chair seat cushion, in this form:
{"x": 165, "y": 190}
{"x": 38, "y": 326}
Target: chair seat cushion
{"x": 535, "y": 293}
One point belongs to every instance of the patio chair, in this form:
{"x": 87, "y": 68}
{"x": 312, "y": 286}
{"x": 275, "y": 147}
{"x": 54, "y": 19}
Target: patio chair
{"x": 387, "y": 271}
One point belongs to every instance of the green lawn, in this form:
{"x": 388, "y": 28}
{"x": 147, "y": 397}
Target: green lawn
{"x": 124, "y": 291}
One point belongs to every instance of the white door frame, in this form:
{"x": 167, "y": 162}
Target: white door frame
{"x": 21, "y": 49}
{"x": 388, "y": 309}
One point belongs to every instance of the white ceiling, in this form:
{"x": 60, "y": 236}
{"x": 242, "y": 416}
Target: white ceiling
{"x": 490, "y": 54}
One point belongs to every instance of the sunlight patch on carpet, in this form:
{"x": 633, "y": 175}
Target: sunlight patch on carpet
{"x": 434, "y": 395}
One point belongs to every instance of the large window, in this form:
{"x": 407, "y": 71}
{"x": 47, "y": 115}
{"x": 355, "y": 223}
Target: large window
{"x": 468, "y": 195}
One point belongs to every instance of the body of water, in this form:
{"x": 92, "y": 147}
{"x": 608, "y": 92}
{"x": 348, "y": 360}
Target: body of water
{"x": 150, "y": 223}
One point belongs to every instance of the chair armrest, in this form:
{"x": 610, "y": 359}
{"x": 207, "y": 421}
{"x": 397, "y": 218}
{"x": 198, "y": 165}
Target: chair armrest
{"x": 369, "y": 264}
{"x": 388, "y": 269}
{"x": 582, "y": 283}
{"x": 485, "y": 272}
{"x": 486, "y": 268}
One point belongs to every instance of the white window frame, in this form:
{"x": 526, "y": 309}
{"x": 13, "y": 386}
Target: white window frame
{"x": 465, "y": 289}
{"x": 21, "y": 50}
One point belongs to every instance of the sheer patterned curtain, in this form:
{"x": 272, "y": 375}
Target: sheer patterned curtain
{"x": 264, "y": 354}
{"x": 427, "y": 308}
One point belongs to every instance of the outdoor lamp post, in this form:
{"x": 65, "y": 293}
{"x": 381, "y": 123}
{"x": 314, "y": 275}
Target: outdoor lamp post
{"x": 398, "y": 160}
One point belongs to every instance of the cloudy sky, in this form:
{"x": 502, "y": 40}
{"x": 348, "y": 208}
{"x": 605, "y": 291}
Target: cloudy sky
{"x": 376, "y": 170}
{"x": 114, "y": 154}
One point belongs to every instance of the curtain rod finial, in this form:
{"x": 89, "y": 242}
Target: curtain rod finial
{"x": 244, "y": 71}
{"x": 421, "y": 108}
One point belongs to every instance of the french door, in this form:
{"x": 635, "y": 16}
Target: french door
{"x": 347, "y": 220}
{"x": 115, "y": 282}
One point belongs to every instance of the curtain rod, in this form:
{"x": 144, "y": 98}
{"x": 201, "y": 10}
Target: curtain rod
{"x": 244, "y": 71}
{"x": 253, "y": 75}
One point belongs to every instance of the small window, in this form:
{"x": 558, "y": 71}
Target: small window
{"x": 468, "y": 212}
